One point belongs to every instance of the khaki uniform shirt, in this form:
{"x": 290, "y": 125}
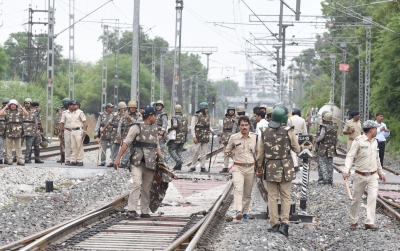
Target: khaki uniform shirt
{"x": 243, "y": 148}
{"x": 73, "y": 119}
{"x": 358, "y": 131}
{"x": 299, "y": 124}
{"x": 66, "y": 118}
{"x": 134, "y": 130}
{"x": 365, "y": 153}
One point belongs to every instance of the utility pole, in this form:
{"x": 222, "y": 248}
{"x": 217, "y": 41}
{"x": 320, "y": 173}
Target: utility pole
{"x": 196, "y": 94}
{"x": 284, "y": 26}
{"x": 368, "y": 31}
{"x": 50, "y": 68}
{"x": 104, "y": 69}
{"x": 278, "y": 72}
{"x": 301, "y": 82}
{"x": 153, "y": 72}
{"x": 135, "y": 52}
{"x": 177, "y": 52}
{"x": 343, "y": 46}
{"x": 208, "y": 67}
{"x": 116, "y": 63}
{"x": 332, "y": 56}
{"x": 163, "y": 50}
{"x": 71, "y": 68}
{"x": 183, "y": 94}
{"x": 190, "y": 96}
{"x": 360, "y": 85}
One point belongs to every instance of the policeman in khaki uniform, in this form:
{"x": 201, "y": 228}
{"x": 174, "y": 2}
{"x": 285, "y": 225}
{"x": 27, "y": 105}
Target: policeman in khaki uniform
{"x": 14, "y": 117}
{"x": 143, "y": 138}
{"x": 30, "y": 127}
{"x": 65, "y": 134}
{"x": 240, "y": 110}
{"x": 352, "y": 128}
{"x": 105, "y": 133}
{"x": 227, "y": 126}
{"x": 200, "y": 129}
{"x": 130, "y": 117}
{"x": 365, "y": 153}
{"x": 274, "y": 156}
{"x": 56, "y": 126}
{"x": 162, "y": 124}
{"x": 3, "y": 156}
{"x": 241, "y": 147}
{"x": 114, "y": 122}
{"x": 326, "y": 141}
{"x": 179, "y": 123}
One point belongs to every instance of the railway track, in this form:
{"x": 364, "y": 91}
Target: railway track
{"x": 109, "y": 228}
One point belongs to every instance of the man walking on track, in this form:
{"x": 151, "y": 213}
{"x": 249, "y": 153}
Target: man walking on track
{"x": 201, "y": 128}
{"x": 104, "y": 133}
{"x": 364, "y": 151}
{"x": 179, "y": 123}
{"x": 227, "y": 126}
{"x": 241, "y": 147}
{"x": 274, "y": 150}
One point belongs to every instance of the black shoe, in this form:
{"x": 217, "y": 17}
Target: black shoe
{"x": 178, "y": 166}
{"x": 145, "y": 216}
{"x": 14, "y": 160}
{"x": 102, "y": 164}
{"x": 193, "y": 169}
{"x": 274, "y": 229}
{"x": 326, "y": 182}
{"x": 110, "y": 165}
{"x": 297, "y": 169}
{"x": 224, "y": 170}
{"x": 38, "y": 161}
{"x": 320, "y": 181}
{"x": 72, "y": 164}
{"x": 1, "y": 161}
{"x": 132, "y": 214}
{"x": 203, "y": 170}
{"x": 79, "y": 164}
{"x": 28, "y": 161}
{"x": 284, "y": 229}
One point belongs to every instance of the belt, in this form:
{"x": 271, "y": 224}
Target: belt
{"x": 365, "y": 173}
{"x": 73, "y": 129}
{"x": 201, "y": 127}
{"x": 227, "y": 129}
{"x": 29, "y": 122}
{"x": 145, "y": 144}
{"x": 351, "y": 139}
{"x": 243, "y": 164}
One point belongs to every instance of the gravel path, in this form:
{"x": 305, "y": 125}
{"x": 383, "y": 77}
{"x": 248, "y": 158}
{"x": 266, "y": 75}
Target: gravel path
{"x": 329, "y": 231}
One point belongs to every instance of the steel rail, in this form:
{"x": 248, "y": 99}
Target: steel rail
{"x": 209, "y": 217}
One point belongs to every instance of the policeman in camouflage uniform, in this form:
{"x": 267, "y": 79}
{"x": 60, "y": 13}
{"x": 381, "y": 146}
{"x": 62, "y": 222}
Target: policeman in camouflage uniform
{"x": 14, "y": 118}
{"x": 143, "y": 138}
{"x": 114, "y": 122}
{"x": 102, "y": 120}
{"x": 274, "y": 156}
{"x": 240, "y": 113}
{"x": 253, "y": 119}
{"x": 30, "y": 128}
{"x": 162, "y": 124}
{"x": 38, "y": 138}
{"x": 179, "y": 123}
{"x": 129, "y": 118}
{"x": 3, "y": 155}
{"x": 227, "y": 125}
{"x": 200, "y": 129}
{"x": 326, "y": 141}
{"x": 56, "y": 126}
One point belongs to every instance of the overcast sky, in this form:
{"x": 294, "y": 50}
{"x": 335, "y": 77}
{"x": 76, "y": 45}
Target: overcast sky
{"x": 159, "y": 15}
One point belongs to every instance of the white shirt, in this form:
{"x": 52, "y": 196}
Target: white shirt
{"x": 381, "y": 135}
{"x": 262, "y": 123}
{"x": 299, "y": 124}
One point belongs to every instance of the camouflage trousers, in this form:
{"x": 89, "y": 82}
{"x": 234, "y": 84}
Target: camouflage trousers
{"x": 29, "y": 143}
{"x": 125, "y": 159}
{"x": 36, "y": 146}
{"x": 325, "y": 167}
{"x": 162, "y": 146}
{"x": 175, "y": 150}
{"x": 200, "y": 149}
{"x": 114, "y": 151}
{"x": 2, "y": 148}
{"x": 104, "y": 145}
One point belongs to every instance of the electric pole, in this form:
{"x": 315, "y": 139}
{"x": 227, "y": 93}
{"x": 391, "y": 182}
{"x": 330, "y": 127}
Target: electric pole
{"x": 360, "y": 85}
{"x": 177, "y": 52}
{"x": 135, "y": 52}
{"x": 332, "y": 56}
{"x": 163, "y": 50}
{"x": 343, "y": 46}
{"x": 71, "y": 68}
{"x": 153, "y": 72}
{"x": 368, "y": 31}
{"x": 104, "y": 68}
{"x": 50, "y": 68}
{"x": 116, "y": 63}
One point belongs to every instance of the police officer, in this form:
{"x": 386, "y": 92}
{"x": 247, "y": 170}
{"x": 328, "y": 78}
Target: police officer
{"x": 162, "y": 124}
{"x": 352, "y": 128}
{"x": 364, "y": 151}
{"x": 264, "y": 108}
{"x": 65, "y": 130}
{"x": 113, "y": 122}
{"x": 102, "y": 120}
{"x": 14, "y": 117}
{"x": 200, "y": 129}
{"x": 38, "y": 138}
{"x": 253, "y": 119}
{"x": 142, "y": 109}
{"x": 129, "y": 118}
{"x": 326, "y": 141}
{"x": 56, "y": 126}
{"x": 3, "y": 155}
{"x": 300, "y": 128}
{"x": 274, "y": 150}
{"x": 241, "y": 147}
{"x": 30, "y": 129}
{"x": 143, "y": 138}
{"x": 269, "y": 113}
{"x": 78, "y": 134}
{"x": 240, "y": 110}
{"x": 227, "y": 125}
{"x": 179, "y": 123}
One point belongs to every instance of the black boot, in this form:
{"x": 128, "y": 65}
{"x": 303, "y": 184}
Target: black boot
{"x": 203, "y": 170}
{"x": 326, "y": 182}
{"x": 193, "y": 169}
{"x": 28, "y": 161}
{"x": 284, "y": 229}
{"x": 62, "y": 160}
{"x": 38, "y": 161}
{"x": 297, "y": 169}
{"x": 1, "y": 161}
{"x": 178, "y": 166}
{"x": 274, "y": 229}
{"x": 224, "y": 170}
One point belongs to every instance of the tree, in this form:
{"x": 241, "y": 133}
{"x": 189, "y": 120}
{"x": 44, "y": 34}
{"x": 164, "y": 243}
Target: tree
{"x": 3, "y": 61}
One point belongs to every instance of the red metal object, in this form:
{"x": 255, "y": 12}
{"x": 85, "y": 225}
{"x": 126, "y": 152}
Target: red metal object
{"x": 344, "y": 67}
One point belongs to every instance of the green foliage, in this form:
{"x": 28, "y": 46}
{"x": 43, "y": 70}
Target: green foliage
{"x": 3, "y": 61}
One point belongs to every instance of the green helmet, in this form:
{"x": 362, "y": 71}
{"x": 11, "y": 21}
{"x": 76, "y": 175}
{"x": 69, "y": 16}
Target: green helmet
{"x": 65, "y": 101}
{"x": 178, "y": 108}
{"x": 203, "y": 105}
{"x": 230, "y": 107}
{"x": 279, "y": 115}
{"x": 44, "y": 144}
{"x": 327, "y": 117}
